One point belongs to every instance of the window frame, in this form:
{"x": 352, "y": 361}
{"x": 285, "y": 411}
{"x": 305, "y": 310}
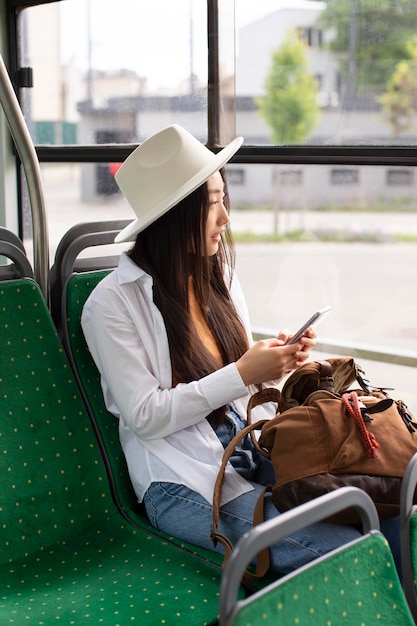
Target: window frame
{"x": 256, "y": 154}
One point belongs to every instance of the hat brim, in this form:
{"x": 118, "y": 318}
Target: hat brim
{"x": 153, "y": 213}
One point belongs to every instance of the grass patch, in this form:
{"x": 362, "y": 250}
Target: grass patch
{"x": 325, "y": 236}
{"x": 346, "y": 236}
{"x": 251, "y": 237}
{"x": 405, "y": 238}
{"x": 397, "y": 205}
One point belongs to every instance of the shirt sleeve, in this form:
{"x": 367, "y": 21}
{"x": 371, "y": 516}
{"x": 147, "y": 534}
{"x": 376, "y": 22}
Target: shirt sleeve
{"x": 133, "y": 360}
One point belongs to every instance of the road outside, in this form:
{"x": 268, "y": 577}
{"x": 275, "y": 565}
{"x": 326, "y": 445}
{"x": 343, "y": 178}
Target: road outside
{"x": 371, "y": 287}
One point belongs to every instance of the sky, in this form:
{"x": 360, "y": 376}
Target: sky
{"x": 151, "y": 37}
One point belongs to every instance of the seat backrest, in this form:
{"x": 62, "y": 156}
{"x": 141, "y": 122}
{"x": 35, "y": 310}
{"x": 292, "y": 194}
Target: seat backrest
{"x": 12, "y": 249}
{"x": 72, "y": 280}
{"x": 53, "y": 482}
{"x": 11, "y": 237}
{"x": 66, "y": 553}
{"x": 67, "y": 259}
{"x": 76, "y": 292}
{"x": 355, "y": 584}
{"x": 408, "y": 514}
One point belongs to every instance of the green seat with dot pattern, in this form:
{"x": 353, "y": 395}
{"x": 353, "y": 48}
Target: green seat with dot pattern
{"x": 67, "y": 556}
{"x": 408, "y": 514}
{"x": 76, "y": 292}
{"x": 356, "y": 584}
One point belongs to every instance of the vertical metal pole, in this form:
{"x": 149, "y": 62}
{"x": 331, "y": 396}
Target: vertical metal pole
{"x": 89, "y": 56}
{"x": 353, "y": 25}
{"x": 192, "y": 86}
{"x": 213, "y": 87}
{"x": 30, "y": 163}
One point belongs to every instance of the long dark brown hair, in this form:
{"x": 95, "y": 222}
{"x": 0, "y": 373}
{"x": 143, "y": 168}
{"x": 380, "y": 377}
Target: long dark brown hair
{"x": 171, "y": 250}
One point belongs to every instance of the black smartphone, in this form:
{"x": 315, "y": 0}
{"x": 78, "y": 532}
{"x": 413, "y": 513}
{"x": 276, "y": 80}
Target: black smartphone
{"x": 314, "y": 319}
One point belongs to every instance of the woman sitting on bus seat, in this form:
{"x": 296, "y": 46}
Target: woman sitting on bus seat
{"x": 170, "y": 334}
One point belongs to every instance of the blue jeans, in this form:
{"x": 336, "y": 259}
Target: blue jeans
{"x": 185, "y": 514}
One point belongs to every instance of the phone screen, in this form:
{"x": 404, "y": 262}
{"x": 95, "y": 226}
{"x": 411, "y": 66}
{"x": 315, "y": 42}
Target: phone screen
{"x": 314, "y": 319}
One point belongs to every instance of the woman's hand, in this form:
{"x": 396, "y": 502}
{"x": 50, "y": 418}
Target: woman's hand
{"x": 270, "y": 359}
{"x": 308, "y": 340}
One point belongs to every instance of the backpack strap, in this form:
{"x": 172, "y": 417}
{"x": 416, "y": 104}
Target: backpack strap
{"x": 268, "y": 394}
{"x": 262, "y": 564}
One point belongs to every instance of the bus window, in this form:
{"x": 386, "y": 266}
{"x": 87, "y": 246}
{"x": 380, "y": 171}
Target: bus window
{"x": 114, "y": 80}
{"x": 340, "y": 72}
{"x": 323, "y": 191}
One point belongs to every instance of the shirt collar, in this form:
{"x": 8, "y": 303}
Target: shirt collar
{"x": 129, "y": 272}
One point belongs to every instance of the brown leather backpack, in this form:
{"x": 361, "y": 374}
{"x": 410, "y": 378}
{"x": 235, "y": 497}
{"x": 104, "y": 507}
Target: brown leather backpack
{"x": 327, "y": 435}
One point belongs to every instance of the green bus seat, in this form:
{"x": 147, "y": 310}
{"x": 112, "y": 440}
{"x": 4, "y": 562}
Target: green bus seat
{"x": 357, "y": 584}
{"x": 408, "y": 515}
{"x": 67, "y": 556}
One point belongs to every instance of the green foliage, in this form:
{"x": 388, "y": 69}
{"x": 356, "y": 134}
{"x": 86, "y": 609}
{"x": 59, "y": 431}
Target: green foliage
{"x": 400, "y": 99}
{"x": 375, "y": 32}
{"x": 290, "y": 106}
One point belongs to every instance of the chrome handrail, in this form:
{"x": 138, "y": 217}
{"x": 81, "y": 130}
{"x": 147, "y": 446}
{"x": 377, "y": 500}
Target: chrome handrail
{"x": 30, "y": 163}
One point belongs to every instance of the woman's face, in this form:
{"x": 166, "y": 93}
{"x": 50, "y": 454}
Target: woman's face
{"x": 218, "y": 216}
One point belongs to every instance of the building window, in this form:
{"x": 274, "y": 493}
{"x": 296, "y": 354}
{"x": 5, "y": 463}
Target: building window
{"x": 312, "y": 37}
{"x": 291, "y": 178}
{"x": 399, "y": 178}
{"x": 235, "y": 177}
{"x": 344, "y": 177}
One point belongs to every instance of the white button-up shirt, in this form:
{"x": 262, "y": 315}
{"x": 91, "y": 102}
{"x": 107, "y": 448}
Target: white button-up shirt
{"x": 163, "y": 430}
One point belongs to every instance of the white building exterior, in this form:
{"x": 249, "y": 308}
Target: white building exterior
{"x": 257, "y": 42}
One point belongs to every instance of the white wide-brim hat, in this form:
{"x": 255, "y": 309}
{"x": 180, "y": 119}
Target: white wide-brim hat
{"x": 162, "y": 171}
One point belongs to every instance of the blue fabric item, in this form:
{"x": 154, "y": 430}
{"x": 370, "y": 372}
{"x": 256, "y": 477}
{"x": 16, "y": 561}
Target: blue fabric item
{"x": 246, "y": 460}
{"x": 177, "y": 510}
